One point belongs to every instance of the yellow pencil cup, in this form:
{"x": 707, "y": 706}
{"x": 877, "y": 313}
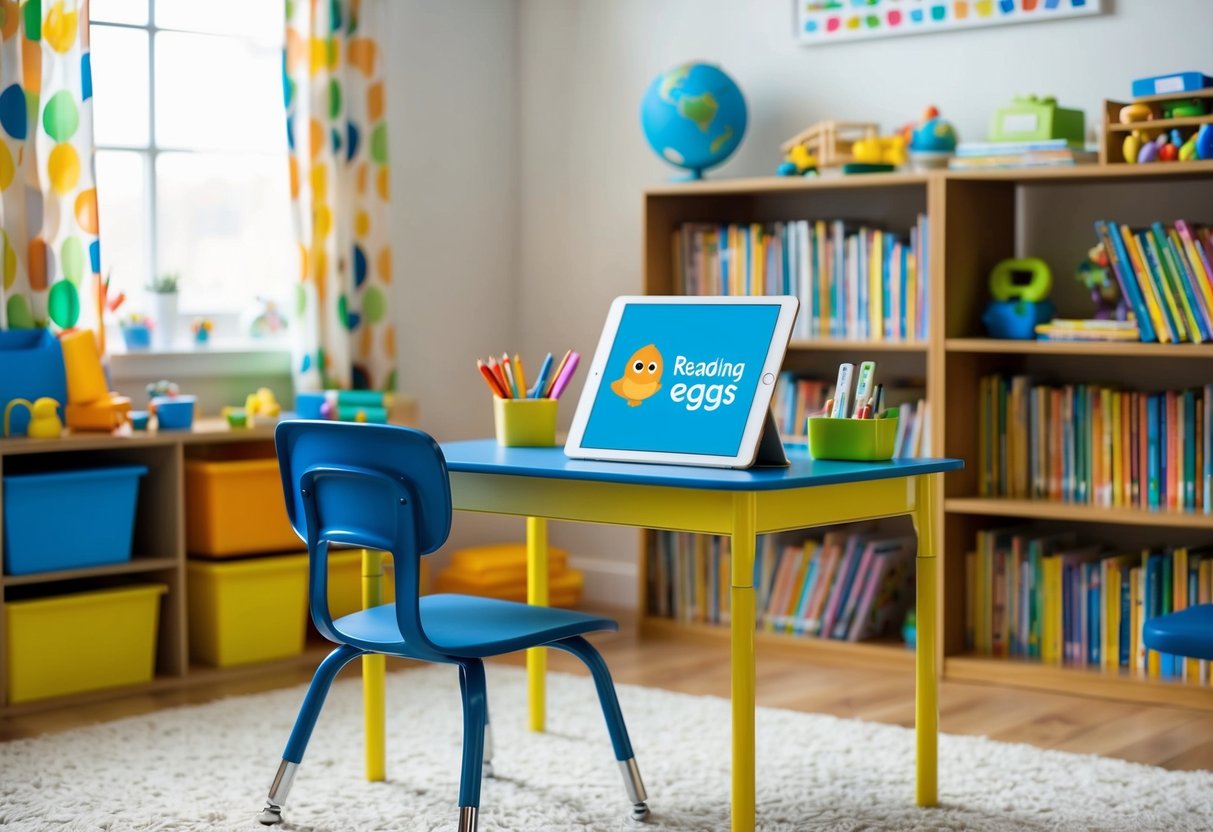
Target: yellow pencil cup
{"x": 861, "y": 440}
{"x": 525, "y": 422}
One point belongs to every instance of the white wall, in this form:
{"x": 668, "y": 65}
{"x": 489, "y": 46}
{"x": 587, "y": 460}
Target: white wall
{"x": 584, "y": 64}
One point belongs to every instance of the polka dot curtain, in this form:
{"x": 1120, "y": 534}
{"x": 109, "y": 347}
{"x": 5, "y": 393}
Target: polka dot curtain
{"x": 337, "y": 131}
{"x": 48, "y": 202}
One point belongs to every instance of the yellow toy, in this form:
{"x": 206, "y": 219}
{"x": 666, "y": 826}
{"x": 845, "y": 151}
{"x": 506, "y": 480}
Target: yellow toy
{"x": 44, "y": 420}
{"x": 262, "y": 403}
{"x": 798, "y": 162}
{"x": 90, "y": 403}
{"x": 880, "y": 150}
{"x": 831, "y": 143}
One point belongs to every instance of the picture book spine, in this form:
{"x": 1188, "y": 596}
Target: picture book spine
{"x": 875, "y": 575}
{"x": 1154, "y": 244}
{"x": 1188, "y": 448}
{"x": 842, "y": 624}
{"x": 1154, "y": 463}
{"x": 1150, "y": 608}
{"x": 1124, "y": 634}
{"x": 1153, "y": 291}
{"x": 1094, "y": 628}
{"x": 1193, "y": 278}
{"x": 823, "y": 585}
{"x": 1207, "y": 433}
{"x": 1122, "y": 269}
{"x": 842, "y": 582}
{"x": 806, "y": 590}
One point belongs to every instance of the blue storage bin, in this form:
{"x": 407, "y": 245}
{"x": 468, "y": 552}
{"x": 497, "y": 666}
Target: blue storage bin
{"x": 69, "y": 519}
{"x": 31, "y": 366}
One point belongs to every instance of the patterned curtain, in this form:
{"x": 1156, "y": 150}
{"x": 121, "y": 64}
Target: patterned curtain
{"x": 335, "y": 102}
{"x": 48, "y": 203}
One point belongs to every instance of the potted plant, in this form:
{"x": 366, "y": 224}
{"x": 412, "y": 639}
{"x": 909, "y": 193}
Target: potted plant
{"x": 163, "y": 292}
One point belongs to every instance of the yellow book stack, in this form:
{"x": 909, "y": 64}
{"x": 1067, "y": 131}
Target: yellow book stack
{"x": 499, "y": 571}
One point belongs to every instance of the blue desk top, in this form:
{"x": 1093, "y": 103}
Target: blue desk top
{"x": 485, "y": 456}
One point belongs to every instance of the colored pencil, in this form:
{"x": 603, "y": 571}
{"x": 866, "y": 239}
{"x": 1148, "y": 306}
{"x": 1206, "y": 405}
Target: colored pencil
{"x": 520, "y": 376}
{"x": 499, "y": 374}
{"x": 562, "y": 381}
{"x": 490, "y": 379}
{"x": 542, "y": 380}
{"x": 511, "y": 386}
{"x": 547, "y": 394}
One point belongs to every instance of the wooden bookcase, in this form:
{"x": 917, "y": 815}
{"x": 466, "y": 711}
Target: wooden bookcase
{"x": 975, "y": 219}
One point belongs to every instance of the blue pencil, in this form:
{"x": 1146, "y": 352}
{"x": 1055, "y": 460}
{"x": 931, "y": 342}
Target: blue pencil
{"x": 541, "y": 380}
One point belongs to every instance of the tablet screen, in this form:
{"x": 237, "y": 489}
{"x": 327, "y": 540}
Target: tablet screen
{"x": 681, "y": 378}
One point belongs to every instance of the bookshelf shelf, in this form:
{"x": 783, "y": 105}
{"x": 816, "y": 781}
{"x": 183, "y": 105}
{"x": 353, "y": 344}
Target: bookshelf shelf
{"x": 1161, "y": 124}
{"x": 1109, "y": 349}
{"x": 840, "y": 345}
{"x": 974, "y": 220}
{"x": 135, "y": 566}
{"x": 1047, "y": 510}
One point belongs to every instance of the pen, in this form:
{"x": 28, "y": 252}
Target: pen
{"x": 541, "y": 380}
{"x": 562, "y": 381}
{"x": 511, "y": 385}
{"x": 490, "y": 379}
{"x": 863, "y": 385}
{"x": 520, "y": 376}
{"x": 878, "y": 403}
{"x": 546, "y": 394}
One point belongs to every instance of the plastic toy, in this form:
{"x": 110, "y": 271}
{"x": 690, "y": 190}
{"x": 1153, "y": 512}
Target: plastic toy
{"x": 136, "y": 332}
{"x": 237, "y": 417}
{"x": 31, "y": 367}
{"x": 932, "y": 142}
{"x": 90, "y": 403}
{"x": 1204, "y": 142}
{"x": 262, "y": 403}
{"x": 1133, "y": 113}
{"x": 139, "y": 419}
{"x": 831, "y": 143}
{"x": 694, "y": 117}
{"x": 202, "y": 331}
{"x": 1033, "y": 118}
{"x": 1019, "y": 288}
{"x": 1184, "y": 108}
{"x": 44, "y": 422}
{"x": 1095, "y": 274}
{"x": 798, "y": 162}
{"x": 163, "y": 387}
{"x": 1174, "y": 82}
{"x": 174, "y": 412}
{"x": 877, "y": 153}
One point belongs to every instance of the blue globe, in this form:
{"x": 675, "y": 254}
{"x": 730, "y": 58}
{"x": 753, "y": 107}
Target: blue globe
{"x": 693, "y": 116}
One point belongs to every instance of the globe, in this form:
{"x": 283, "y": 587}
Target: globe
{"x": 693, "y": 117}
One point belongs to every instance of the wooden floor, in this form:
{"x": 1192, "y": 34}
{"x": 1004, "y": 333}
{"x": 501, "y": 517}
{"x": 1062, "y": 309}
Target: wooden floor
{"x": 1175, "y": 738}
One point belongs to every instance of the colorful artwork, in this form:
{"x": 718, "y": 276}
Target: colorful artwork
{"x": 831, "y": 21}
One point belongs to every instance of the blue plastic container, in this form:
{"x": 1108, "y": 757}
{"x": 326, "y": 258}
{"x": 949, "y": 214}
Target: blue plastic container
{"x": 174, "y": 412}
{"x": 31, "y": 366}
{"x": 307, "y": 405}
{"x": 137, "y": 337}
{"x": 69, "y": 519}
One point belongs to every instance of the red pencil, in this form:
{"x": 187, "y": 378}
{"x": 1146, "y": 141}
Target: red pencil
{"x": 490, "y": 379}
{"x": 499, "y": 374}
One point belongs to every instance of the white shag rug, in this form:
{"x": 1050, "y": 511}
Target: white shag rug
{"x": 207, "y": 767}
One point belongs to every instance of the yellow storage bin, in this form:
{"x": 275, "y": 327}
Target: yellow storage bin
{"x": 245, "y": 611}
{"x": 498, "y": 570}
{"x": 235, "y": 507}
{"x": 83, "y": 641}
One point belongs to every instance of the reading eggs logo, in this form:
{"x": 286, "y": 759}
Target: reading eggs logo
{"x": 641, "y": 378}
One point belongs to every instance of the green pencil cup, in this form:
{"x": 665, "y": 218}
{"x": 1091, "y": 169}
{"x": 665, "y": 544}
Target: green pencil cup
{"x": 861, "y": 440}
{"x": 524, "y": 423}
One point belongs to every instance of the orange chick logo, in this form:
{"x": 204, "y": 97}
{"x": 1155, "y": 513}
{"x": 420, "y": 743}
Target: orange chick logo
{"x": 641, "y": 378}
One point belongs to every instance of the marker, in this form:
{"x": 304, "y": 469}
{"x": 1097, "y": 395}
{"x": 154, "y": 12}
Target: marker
{"x": 878, "y": 403}
{"x": 828, "y": 410}
{"x": 842, "y": 392}
{"x": 863, "y": 386}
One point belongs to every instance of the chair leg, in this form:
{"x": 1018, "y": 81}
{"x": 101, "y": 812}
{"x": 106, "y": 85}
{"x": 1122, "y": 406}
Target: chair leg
{"x": 487, "y": 767}
{"x": 475, "y": 723}
{"x": 618, "y": 730}
{"x": 309, "y": 711}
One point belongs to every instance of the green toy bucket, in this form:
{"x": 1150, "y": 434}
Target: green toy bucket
{"x": 863, "y": 440}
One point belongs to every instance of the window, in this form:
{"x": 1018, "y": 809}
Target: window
{"x": 190, "y": 129}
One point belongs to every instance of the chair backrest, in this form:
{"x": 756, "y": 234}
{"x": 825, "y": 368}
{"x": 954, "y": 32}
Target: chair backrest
{"x": 374, "y": 486}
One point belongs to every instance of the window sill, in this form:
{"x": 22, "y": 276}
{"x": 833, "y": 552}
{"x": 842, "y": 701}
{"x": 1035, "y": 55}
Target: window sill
{"x": 231, "y": 360}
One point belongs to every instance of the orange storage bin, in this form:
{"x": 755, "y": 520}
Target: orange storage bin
{"x": 235, "y": 507}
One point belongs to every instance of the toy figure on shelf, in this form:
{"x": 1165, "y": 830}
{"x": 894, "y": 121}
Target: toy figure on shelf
{"x": 91, "y": 405}
{"x": 161, "y": 388}
{"x": 268, "y": 321}
{"x": 1095, "y": 274}
{"x": 1019, "y": 289}
{"x": 798, "y": 162}
{"x": 44, "y": 422}
{"x": 932, "y": 142}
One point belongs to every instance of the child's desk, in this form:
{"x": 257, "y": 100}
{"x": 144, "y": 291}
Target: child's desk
{"x": 543, "y": 484}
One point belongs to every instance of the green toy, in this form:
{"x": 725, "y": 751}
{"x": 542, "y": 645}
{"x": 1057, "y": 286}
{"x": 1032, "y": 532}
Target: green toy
{"x": 1032, "y": 119}
{"x": 1022, "y": 278}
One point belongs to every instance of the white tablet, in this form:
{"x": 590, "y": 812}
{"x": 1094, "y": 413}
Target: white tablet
{"x": 682, "y": 380}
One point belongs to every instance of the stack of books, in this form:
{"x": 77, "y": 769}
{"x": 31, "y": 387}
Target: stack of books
{"x": 1050, "y": 599}
{"x": 1075, "y": 329}
{"x": 1165, "y": 276}
{"x": 854, "y": 282}
{"x": 1096, "y": 445}
{"x": 846, "y": 586}
{"x": 1039, "y": 154}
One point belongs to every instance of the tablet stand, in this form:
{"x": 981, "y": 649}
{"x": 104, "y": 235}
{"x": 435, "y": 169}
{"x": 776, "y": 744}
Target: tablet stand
{"x": 770, "y": 452}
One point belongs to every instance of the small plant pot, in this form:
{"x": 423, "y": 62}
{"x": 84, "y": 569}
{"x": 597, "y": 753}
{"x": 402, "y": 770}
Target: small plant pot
{"x": 137, "y": 338}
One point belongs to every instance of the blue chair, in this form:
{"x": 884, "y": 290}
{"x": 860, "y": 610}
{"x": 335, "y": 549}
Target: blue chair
{"x": 1185, "y": 633}
{"x": 386, "y": 487}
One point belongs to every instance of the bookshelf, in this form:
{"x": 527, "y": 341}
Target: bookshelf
{"x": 974, "y": 219}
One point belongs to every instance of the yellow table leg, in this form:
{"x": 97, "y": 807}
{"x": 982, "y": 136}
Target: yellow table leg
{"x": 373, "y": 666}
{"x": 926, "y": 700}
{"x": 742, "y": 634}
{"x": 536, "y": 593}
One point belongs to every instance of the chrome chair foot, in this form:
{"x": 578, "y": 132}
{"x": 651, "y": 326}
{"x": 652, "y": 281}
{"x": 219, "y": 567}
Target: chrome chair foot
{"x": 271, "y": 815}
{"x": 640, "y": 813}
{"x": 467, "y": 818}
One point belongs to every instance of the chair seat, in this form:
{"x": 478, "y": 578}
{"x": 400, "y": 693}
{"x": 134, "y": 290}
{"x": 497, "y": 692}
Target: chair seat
{"x": 469, "y": 627}
{"x": 1185, "y": 633}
